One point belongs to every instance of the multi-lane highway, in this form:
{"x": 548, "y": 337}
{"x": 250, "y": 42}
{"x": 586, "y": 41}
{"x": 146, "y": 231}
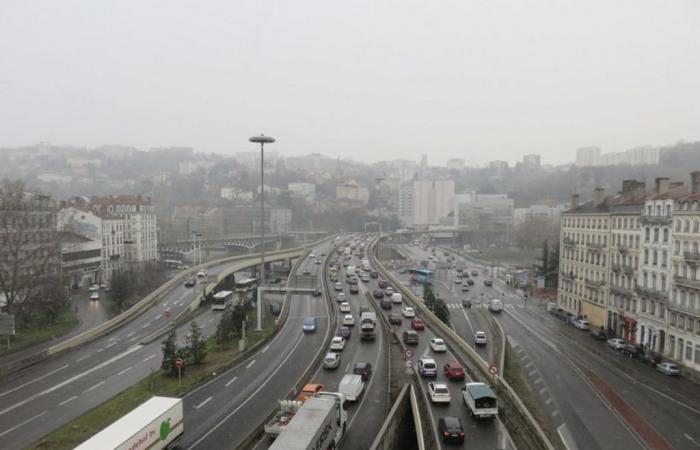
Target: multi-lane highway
{"x": 45, "y": 396}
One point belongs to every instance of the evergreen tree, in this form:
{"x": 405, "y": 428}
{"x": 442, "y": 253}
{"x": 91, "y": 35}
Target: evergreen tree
{"x": 170, "y": 352}
{"x": 196, "y": 345}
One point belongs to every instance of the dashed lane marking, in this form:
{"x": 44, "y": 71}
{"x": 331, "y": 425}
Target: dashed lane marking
{"x": 231, "y": 381}
{"x": 10, "y": 430}
{"x": 203, "y": 403}
{"x": 68, "y": 400}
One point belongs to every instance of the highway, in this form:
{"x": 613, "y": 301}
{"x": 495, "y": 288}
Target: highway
{"x": 49, "y": 394}
{"x": 569, "y": 373}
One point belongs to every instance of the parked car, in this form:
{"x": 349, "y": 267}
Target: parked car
{"x": 337, "y": 344}
{"x": 331, "y": 360}
{"x": 344, "y": 332}
{"x": 650, "y": 358}
{"x": 408, "y": 312}
{"x": 631, "y": 350}
{"x": 451, "y": 429}
{"x": 410, "y": 337}
{"x": 616, "y": 343}
{"x": 668, "y": 368}
{"x": 427, "y": 367}
{"x": 480, "y": 338}
{"x": 582, "y": 324}
{"x": 453, "y": 371}
{"x": 395, "y": 319}
{"x": 598, "y": 334}
{"x": 438, "y": 392}
{"x": 364, "y": 369}
{"x": 438, "y": 345}
{"x": 348, "y": 320}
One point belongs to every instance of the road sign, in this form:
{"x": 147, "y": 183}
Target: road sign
{"x": 7, "y": 324}
{"x": 493, "y": 369}
{"x": 179, "y": 362}
{"x": 408, "y": 354}
{"x": 408, "y": 363}
{"x": 167, "y": 314}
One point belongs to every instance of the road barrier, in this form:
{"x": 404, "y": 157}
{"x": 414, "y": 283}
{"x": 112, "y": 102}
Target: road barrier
{"x": 523, "y": 428}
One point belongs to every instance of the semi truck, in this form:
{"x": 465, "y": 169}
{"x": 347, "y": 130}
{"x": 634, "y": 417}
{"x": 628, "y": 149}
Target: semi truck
{"x": 480, "y": 400}
{"x": 368, "y": 325}
{"x": 317, "y": 423}
{"x": 156, "y": 424}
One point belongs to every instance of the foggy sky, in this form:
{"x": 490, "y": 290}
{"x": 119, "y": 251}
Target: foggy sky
{"x": 369, "y": 79}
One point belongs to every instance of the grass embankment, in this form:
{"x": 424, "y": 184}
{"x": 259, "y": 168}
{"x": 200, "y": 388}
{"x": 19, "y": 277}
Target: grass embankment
{"x": 157, "y": 383}
{"x": 38, "y": 330}
{"x": 515, "y": 377}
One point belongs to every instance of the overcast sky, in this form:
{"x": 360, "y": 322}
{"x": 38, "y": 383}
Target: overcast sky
{"x": 367, "y": 79}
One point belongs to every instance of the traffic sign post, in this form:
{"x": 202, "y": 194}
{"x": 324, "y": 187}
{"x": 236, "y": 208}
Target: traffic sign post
{"x": 167, "y": 314}
{"x": 493, "y": 370}
{"x": 408, "y": 354}
{"x": 179, "y": 362}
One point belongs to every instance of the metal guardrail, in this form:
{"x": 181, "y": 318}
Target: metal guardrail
{"x": 536, "y": 438}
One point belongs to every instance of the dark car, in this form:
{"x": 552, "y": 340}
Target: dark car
{"x": 395, "y": 319}
{"x": 470, "y": 282}
{"x": 354, "y": 289}
{"x": 190, "y": 282}
{"x": 454, "y": 371}
{"x": 418, "y": 324}
{"x": 410, "y": 337}
{"x": 364, "y": 309}
{"x": 475, "y": 273}
{"x": 373, "y": 274}
{"x": 650, "y": 358}
{"x": 488, "y": 283}
{"x": 344, "y": 332}
{"x": 466, "y": 303}
{"x": 275, "y": 309}
{"x": 631, "y": 351}
{"x": 383, "y": 284}
{"x": 465, "y": 287}
{"x": 451, "y": 429}
{"x": 385, "y": 303}
{"x": 363, "y": 369}
{"x": 598, "y": 335}
{"x": 378, "y": 293}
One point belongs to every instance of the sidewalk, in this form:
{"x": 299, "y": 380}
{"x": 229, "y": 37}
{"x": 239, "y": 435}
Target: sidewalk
{"x": 90, "y": 314}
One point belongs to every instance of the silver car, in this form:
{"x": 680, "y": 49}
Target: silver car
{"x": 668, "y": 368}
{"x": 616, "y": 343}
{"x": 331, "y": 360}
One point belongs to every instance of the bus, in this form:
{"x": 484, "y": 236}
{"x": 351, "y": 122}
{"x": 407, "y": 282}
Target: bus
{"x": 421, "y": 276}
{"x": 245, "y": 285}
{"x": 222, "y": 300}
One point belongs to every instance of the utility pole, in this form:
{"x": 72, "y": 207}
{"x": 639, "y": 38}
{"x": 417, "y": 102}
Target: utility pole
{"x": 262, "y": 140}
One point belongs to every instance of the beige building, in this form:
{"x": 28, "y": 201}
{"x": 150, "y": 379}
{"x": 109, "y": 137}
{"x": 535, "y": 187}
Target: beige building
{"x": 353, "y": 192}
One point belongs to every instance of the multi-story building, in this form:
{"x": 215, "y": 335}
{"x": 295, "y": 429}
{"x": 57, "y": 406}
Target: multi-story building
{"x": 455, "y": 163}
{"x": 684, "y": 301}
{"x": 81, "y": 243}
{"x": 432, "y": 201}
{"x": 353, "y": 192}
{"x": 304, "y": 191}
{"x": 532, "y": 161}
{"x": 486, "y": 213}
{"x": 587, "y": 156}
{"x": 406, "y": 204}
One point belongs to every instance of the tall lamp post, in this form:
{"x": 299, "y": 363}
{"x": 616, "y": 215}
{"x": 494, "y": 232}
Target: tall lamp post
{"x": 378, "y": 184}
{"x": 262, "y": 140}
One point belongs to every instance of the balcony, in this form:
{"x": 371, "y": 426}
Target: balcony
{"x": 616, "y": 268}
{"x": 594, "y": 284}
{"x": 691, "y": 257}
{"x": 568, "y": 242}
{"x": 686, "y": 282}
{"x": 619, "y": 290}
{"x": 623, "y": 249}
{"x": 568, "y": 276}
{"x": 651, "y": 293}
{"x": 594, "y": 247}
{"x": 655, "y": 220}
{"x": 628, "y": 270}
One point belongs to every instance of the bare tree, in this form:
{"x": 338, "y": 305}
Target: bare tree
{"x": 29, "y": 247}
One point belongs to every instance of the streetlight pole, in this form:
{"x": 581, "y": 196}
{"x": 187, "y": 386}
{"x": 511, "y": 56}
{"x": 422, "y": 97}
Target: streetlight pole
{"x": 262, "y": 140}
{"x": 378, "y": 183}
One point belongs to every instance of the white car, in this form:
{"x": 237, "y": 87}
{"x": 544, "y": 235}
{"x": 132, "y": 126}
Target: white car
{"x": 94, "y": 287}
{"x": 95, "y": 296}
{"x": 345, "y": 307}
{"x": 582, "y": 324}
{"x": 348, "y": 320}
{"x": 341, "y": 297}
{"x": 201, "y": 274}
{"x": 668, "y": 368}
{"x": 480, "y": 338}
{"x": 458, "y": 281}
{"x": 408, "y": 312}
{"x": 337, "y": 344}
{"x": 331, "y": 360}
{"x": 338, "y": 286}
{"x": 438, "y": 345}
{"x": 439, "y": 392}
{"x": 616, "y": 343}
{"x": 312, "y": 255}
{"x": 388, "y": 291}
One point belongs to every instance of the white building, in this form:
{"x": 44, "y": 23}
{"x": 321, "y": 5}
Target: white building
{"x": 353, "y": 192}
{"x": 587, "y": 156}
{"x": 191, "y": 167}
{"x": 304, "y": 191}
{"x": 432, "y": 201}
{"x": 455, "y": 163}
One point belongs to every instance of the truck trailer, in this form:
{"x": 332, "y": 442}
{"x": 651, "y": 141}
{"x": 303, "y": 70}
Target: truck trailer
{"x": 156, "y": 424}
{"x": 318, "y": 423}
{"x": 480, "y": 400}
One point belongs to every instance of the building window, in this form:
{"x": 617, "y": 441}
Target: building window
{"x": 662, "y": 312}
{"x": 678, "y": 225}
{"x": 644, "y": 305}
{"x": 672, "y": 319}
{"x": 655, "y": 258}
{"x": 676, "y": 248}
{"x": 652, "y": 308}
{"x": 656, "y": 235}
{"x": 646, "y": 256}
{"x": 665, "y": 235}
{"x": 646, "y": 234}
{"x": 645, "y": 278}
{"x": 668, "y": 210}
{"x": 663, "y": 282}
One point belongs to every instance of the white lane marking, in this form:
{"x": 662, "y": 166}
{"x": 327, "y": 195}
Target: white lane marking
{"x": 68, "y": 400}
{"x": 124, "y": 371}
{"x": 95, "y": 386}
{"x": 99, "y": 350}
{"x": 272, "y": 375}
{"x": 265, "y": 349}
{"x": 566, "y": 437}
{"x": 34, "y": 380}
{"x": 542, "y": 391}
{"x": 83, "y": 358}
{"x": 539, "y": 380}
{"x": 130, "y": 334}
{"x": 231, "y": 381}
{"x": 148, "y": 357}
{"x": 10, "y": 430}
{"x": 135, "y": 338}
{"x": 555, "y": 413}
{"x": 113, "y": 343}
{"x": 250, "y": 364}
{"x": 548, "y": 401}
{"x": 532, "y": 372}
{"x": 203, "y": 403}
{"x": 112, "y": 339}
{"x": 210, "y": 320}
{"x": 70, "y": 380}
{"x": 147, "y": 325}
{"x": 528, "y": 365}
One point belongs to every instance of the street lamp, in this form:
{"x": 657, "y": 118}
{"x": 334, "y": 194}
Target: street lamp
{"x": 262, "y": 140}
{"x": 378, "y": 184}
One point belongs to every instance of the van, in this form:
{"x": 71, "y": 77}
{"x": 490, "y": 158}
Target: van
{"x": 410, "y": 337}
{"x": 396, "y": 298}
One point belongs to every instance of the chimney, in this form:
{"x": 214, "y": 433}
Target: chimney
{"x": 632, "y": 188}
{"x": 695, "y": 182}
{"x": 662, "y": 184}
{"x": 598, "y": 196}
{"x": 574, "y": 201}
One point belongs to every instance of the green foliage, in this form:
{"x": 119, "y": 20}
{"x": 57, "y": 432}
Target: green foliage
{"x": 170, "y": 353}
{"x": 436, "y": 305}
{"x": 196, "y": 345}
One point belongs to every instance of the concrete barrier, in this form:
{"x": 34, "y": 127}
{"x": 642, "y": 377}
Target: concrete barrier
{"x": 523, "y": 428}
{"x": 392, "y": 435}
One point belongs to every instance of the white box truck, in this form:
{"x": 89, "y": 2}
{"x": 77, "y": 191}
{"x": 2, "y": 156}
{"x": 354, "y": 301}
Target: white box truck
{"x": 350, "y": 270}
{"x": 368, "y": 325}
{"x": 365, "y": 265}
{"x": 351, "y": 386}
{"x": 156, "y": 424}
{"x": 318, "y": 423}
{"x": 480, "y": 400}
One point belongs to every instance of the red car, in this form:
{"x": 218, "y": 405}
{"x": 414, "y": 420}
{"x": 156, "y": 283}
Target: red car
{"x": 418, "y": 324}
{"x": 454, "y": 371}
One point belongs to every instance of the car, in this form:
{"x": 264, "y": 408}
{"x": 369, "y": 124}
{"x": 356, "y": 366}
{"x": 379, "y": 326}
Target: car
{"x": 341, "y": 297}
{"x": 323, "y": 253}
{"x": 337, "y": 344}
{"x": 470, "y": 282}
{"x": 354, "y": 289}
{"x": 458, "y": 281}
{"x": 338, "y": 286}
{"x": 668, "y": 368}
{"x": 616, "y": 343}
{"x": 348, "y": 320}
{"x": 418, "y": 324}
{"x": 488, "y": 283}
{"x": 389, "y": 291}
{"x": 104, "y": 287}
{"x": 382, "y": 284}
{"x": 364, "y": 369}
{"x": 331, "y": 360}
{"x": 438, "y": 392}
{"x": 466, "y": 303}
{"x": 95, "y": 296}
{"x": 631, "y": 351}
{"x": 307, "y": 271}
{"x": 364, "y": 278}
{"x": 94, "y": 287}
{"x": 475, "y": 273}
{"x": 309, "y": 325}
{"x": 410, "y": 337}
{"x": 451, "y": 429}
{"x": 395, "y": 319}
{"x": 364, "y": 309}
{"x": 312, "y": 255}
{"x": 318, "y": 261}
{"x": 310, "y": 390}
{"x": 571, "y": 319}
{"x": 378, "y": 293}
{"x": 201, "y": 274}
{"x": 598, "y": 334}
{"x": 480, "y": 338}
{"x": 427, "y": 367}
{"x": 465, "y": 288}
{"x": 344, "y": 332}
{"x": 345, "y": 307}
{"x": 373, "y": 274}
{"x": 453, "y": 371}
{"x": 385, "y": 303}
{"x": 190, "y": 282}
{"x": 582, "y": 324}
{"x": 317, "y": 292}
{"x": 408, "y": 312}
{"x": 438, "y": 345}
{"x": 650, "y": 358}
{"x": 346, "y": 263}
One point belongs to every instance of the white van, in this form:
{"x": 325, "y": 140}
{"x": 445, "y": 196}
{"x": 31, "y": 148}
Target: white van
{"x": 396, "y": 298}
{"x": 495, "y": 305}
